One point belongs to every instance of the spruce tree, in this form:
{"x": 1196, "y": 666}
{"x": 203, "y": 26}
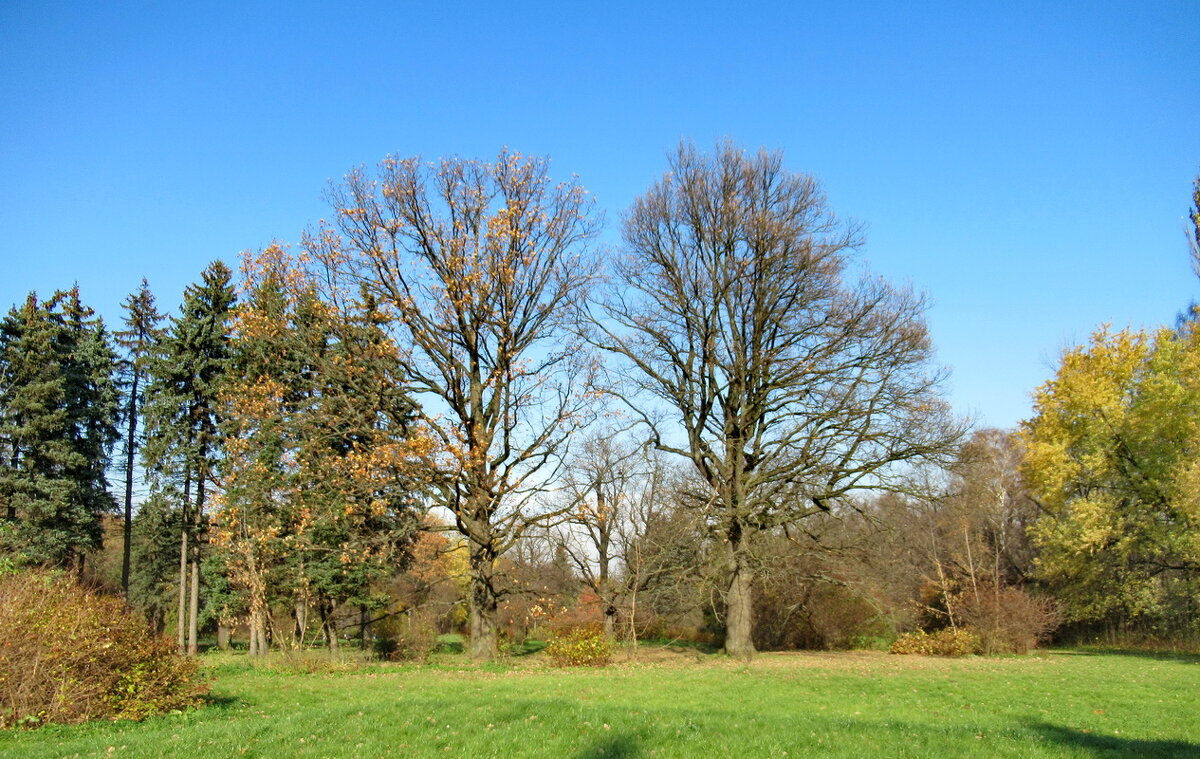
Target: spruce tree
{"x": 138, "y": 339}
{"x": 183, "y": 444}
{"x": 58, "y": 408}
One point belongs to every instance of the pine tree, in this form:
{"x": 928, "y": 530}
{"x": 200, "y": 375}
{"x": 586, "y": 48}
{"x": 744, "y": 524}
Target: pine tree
{"x": 138, "y": 339}
{"x": 183, "y": 441}
{"x": 58, "y": 404}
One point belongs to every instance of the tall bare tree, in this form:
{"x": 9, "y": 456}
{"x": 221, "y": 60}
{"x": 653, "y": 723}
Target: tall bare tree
{"x": 477, "y": 265}
{"x": 792, "y": 383}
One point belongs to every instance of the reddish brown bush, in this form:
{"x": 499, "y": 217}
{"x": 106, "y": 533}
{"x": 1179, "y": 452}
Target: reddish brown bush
{"x": 70, "y": 655}
{"x": 1007, "y": 619}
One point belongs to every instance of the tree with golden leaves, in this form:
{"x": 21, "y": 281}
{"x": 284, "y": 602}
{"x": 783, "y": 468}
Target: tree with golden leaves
{"x": 478, "y": 266}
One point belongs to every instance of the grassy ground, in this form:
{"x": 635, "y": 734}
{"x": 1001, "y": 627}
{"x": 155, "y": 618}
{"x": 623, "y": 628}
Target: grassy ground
{"x": 674, "y": 704}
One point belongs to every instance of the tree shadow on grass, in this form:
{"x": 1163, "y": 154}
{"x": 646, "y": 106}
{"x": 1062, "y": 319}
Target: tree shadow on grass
{"x": 1183, "y": 658}
{"x": 221, "y": 702}
{"x": 612, "y": 747}
{"x": 1116, "y": 746}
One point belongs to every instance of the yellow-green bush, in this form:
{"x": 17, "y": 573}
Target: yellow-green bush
{"x": 945, "y": 642}
{"x": 584, "y": 646}
{"x": 71, "y": 655}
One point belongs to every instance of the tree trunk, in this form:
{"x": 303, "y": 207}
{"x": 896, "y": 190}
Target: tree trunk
{"x": 130, "y": 450}
{"x": 193, "y": 646}
{"x": 484, "y": 603}
{"x": 223, "y": 634}
{"x": 739, "y": 601}
{"x": 300, "y": 617}
{"x": 194, "y": 604}
{"x": 329, "y": 625}
{"x": 364, "y": 622}
{"x": 181, "y": 624}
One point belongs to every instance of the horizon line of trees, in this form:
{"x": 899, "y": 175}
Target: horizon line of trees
{"x": 449, "y": 411}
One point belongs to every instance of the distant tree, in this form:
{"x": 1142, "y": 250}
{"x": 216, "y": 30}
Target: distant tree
{"x": 181, "y": 412}
{"x": 154, "y": 565}
{"x": 478, "y": 267}
{"x": 58, "y": 405}
{"x": 138, "y": 339}
{"x": 793, "y": 385}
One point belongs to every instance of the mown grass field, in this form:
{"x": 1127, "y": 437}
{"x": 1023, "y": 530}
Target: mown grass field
{"x": 1052, "y": 704}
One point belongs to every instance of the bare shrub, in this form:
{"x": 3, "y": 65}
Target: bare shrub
{"x": 1008, "y": 619}
{"x": 71, "y": 655}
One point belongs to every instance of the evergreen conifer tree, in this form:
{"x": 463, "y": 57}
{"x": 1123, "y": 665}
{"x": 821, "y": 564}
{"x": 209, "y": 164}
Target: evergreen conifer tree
{"x": 183, "y": 443}
{"x": 58, "y": 407}
{"x": 138, "y": 339}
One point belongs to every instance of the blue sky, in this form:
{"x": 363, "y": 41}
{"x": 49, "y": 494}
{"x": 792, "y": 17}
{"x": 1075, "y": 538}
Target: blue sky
{"x": 1027, "y": 165}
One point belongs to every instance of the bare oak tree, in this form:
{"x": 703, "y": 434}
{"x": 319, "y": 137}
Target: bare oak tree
{"x": 478, "y": 266}
{"x": 793, "y": 384}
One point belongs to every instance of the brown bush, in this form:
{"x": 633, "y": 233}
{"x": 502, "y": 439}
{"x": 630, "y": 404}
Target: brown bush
{"x": 1008, "y": 619}
{"x": 70, "y": 655}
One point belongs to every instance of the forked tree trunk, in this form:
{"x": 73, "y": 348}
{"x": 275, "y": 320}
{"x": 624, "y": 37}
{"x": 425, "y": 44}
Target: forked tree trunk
{"x": 739, "y": 600}
{"x": 484, "y": 604}
{"x": 194, "y": 601}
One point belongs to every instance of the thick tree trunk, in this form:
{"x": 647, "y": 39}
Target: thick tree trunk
{"x": 329, "y": 625}
{"x": 739, "y": 601}
{"x": 484, "y": 603}
{"x": 223, "y": 634}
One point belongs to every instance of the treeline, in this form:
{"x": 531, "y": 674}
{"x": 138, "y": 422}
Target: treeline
{"x": 450, "y": 411}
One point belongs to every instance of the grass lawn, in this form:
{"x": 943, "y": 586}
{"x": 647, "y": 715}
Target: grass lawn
{"x": 1053, "y": 704}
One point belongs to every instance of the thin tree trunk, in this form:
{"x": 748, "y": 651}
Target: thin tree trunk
{"x": 194, "y": 601}
{"x": 364, "y": 622}
{"x": 130, "y": 451}
{"x": 193, "y": 647}
{"x": 181, "y": 625}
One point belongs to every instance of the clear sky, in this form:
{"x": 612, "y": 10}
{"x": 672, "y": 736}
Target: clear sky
{"x": 1027, "y": 165}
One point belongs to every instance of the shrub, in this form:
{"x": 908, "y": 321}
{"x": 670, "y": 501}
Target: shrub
{"x": 1008, "y": 619}
{"x": 945, "y": 642}
{"x": 71, "y": 655}
{"x": 406, "y": 638}
{"x": 583, "y": 646}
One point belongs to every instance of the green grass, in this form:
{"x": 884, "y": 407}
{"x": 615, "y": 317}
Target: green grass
{"x": 1058, "y": 704}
